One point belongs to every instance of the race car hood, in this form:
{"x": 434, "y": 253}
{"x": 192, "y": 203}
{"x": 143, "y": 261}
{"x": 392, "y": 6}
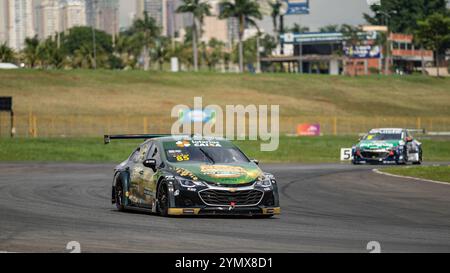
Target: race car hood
{"x": 229, "y": 174}
{"x": 378, "y": 145}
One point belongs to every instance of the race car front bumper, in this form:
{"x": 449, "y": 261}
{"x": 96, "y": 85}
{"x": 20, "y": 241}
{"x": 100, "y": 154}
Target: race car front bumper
{"x": 254, "y": 211}
{"x": 214, "y": 200}
{"x": 377, "y": 157}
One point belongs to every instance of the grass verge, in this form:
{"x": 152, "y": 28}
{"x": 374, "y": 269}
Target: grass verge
{"x": 437, "y": 173}
{"x": 324, "y": 149}
{"x": 87, "y": 92}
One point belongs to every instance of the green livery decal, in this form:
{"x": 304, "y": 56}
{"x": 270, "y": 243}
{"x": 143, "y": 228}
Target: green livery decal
{"x": 219, "y": 173}
{"x": 378, "y": 145}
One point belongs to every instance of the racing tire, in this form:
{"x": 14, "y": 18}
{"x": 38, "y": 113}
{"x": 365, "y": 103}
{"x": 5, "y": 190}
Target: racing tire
{"x": 420, "y": 159}
{"x": 264, "y": 216}
{"x": 404, "y": 161}
{"x": 163, "y": 199}
{"x": 119, "y": 196}
{"x": 418, "y": 162}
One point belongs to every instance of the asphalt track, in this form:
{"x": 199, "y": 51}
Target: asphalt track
{"x": 325, "y": 208}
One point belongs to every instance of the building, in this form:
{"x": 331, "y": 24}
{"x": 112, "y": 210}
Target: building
{"x": 406, "y": 56}
{"x": 103, "y": 15}
{"x": 20, "y": 22}
{"x": 154, "y": 8}
{"x": 314, "y": 52}
{"x": 3, "y": 21}
{"x": 213, "y": 27}
{"x": 158, "y": 10}
{"x": 108, "y": 16}
{"x": 165, "y": 14}
{"x": 73, "y": 14}
{"x": 329, "y": 53}
{"x": 48, "y": 18}
{"x": 89, "y": 6}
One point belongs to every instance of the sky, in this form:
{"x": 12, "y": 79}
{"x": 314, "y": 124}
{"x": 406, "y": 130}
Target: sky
{"x": 322, "y": 12}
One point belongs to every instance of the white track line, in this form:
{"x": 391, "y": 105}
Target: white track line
{"x": 410, "y": 177}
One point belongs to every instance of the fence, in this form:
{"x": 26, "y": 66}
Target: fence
{"x": 32, "y": 125}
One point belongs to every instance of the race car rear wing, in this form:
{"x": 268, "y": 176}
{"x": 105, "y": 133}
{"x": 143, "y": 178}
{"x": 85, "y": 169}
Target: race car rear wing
{"x": 108, "y": 138}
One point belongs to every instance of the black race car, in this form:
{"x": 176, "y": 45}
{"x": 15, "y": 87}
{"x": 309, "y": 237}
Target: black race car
{"x": 183, "y": 175}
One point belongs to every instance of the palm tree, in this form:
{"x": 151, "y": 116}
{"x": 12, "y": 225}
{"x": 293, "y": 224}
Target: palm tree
{"x": 148, "y": 31}
{"x": 199, "y": 9}
{"x": 297, "y": 28}
{"x": 129, "y": 47}
{"x": 329, "y": 28}
{"x": 275, "y": 6}
{"x": 245, "y": 11}
{"x": 49, "y": 54}
{"x": 6, "y": 54}
{"x": 161, "y": 51}
{"x": 215, "y": 53}
{"x": 31, "y": 50}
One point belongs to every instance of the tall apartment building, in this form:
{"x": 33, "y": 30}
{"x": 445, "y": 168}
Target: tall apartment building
{"x": 154, "y": 8}
{"x": 48, "y": 18}
{"x": 103, "y": 15}
{"x": 73, "y": 14}
{"x": 20, "y": 22}
{"x": 158, "y": 10}
{"x": 213, "y": 27}
{"x": 3, "y": 21}
{"x": 175, "y": 21}
{"x": 224, "y": 30}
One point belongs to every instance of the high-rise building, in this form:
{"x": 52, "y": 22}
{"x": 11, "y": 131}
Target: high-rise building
{"x": 154, "y": 9}
{"x": 165, "y": 15}
{"x": 20, "y": 22}
{"x": 224, "y": 30}
{"x": 48, "y": 14}
{"x": 213, "y": 27}
{"x": 73, "y": 14}
{"x": 90, "y": 12}
{"x": 103, "y": 15}
{"x": 176, "y": 21}
{"x": 3, "y": 21}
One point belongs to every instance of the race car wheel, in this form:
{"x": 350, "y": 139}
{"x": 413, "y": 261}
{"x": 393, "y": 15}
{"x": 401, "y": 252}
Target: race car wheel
{"x": 163, "y": 199}
{"x": 119, "y": 194}
{"x": 405, "y": 158}
{"x": 420, "y": 160}
{"x": 264, "y": 216}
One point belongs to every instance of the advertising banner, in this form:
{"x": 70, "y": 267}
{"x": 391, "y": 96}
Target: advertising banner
{"x": 297, "y": 7}
{"x": 363, "y": 52}
{"x": 308, "y": 129}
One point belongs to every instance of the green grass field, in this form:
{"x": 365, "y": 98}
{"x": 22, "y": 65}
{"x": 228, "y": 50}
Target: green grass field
{"x": 87, "y": 92}
{"x": 291, "y": 150}
{"x": 85, "y": 103}
{"x": 437, "y": 173}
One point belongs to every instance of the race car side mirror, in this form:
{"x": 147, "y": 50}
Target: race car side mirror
{"x": 256, "y": 161}
{"x": 150, "y": 163}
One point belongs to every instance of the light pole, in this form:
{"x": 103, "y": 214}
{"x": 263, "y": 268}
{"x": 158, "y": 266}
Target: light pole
{"x": 387, "y": 16}
{"x": 94, "y": 43}
{"x": 258, "y": 53}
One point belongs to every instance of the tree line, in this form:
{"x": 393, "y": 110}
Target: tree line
{"x": 142, "y": 46}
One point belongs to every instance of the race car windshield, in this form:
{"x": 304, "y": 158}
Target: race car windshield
{"x": 380, "y": 136}
{"x": 212, "y": 155}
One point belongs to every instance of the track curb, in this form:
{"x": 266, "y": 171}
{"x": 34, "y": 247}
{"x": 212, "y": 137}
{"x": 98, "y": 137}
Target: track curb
{"x": 377, "y": 171}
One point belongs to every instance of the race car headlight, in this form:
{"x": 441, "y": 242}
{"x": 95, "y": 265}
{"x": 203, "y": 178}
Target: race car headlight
{"x": 189, "y": 183}
{"x": 264, "y": 183}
